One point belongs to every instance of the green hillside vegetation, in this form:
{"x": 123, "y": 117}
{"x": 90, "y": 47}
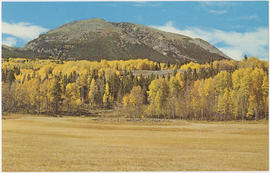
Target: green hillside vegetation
{"x": 218, "y": 90}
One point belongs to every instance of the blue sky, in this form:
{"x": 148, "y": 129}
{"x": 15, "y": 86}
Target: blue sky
{"x": 236, "y": 28}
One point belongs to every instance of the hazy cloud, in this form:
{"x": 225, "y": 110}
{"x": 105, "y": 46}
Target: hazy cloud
{"x": 217, "y": 11}
{"x": 234, "y": 44}
{"x": 251, "y": 17}
{"x": 218, "y": 3}
{"x": 217, "y": 7}
{"x": 25, "y": 31}
{"x": 10, "y": 41}
{"x": 146, "y": 4}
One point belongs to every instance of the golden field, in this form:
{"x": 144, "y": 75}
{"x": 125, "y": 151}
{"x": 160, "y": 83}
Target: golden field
{"x": 31, "y": 143}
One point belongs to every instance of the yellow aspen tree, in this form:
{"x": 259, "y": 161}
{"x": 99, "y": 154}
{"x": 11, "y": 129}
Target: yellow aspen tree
{"x": 134, "y": 102}
{"x": 195, "y": 99}
{"x": 222, "y": 81}
{"x": 174, "y": 86}
{"x": 107, "y": 98}
{"x": 125, "y": 100}
{"x": 93, "y": 91}
{"x": 242, "y": 81}
{"x": 71, "y": 96}
{"x": 20, "y": 95}
{"x": 158, "y": 94}
{"x": 256, "y": 93}
{"x": 265, "y": 88}
{"x": 44, "y": 96}
{"x": 82, "y": 84}
{"x": 207, "y": 98}
{"x": 34, "y": 93}
{"x": 224, "y": 103}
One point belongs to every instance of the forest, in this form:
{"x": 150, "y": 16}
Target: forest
{"x": 217, "y": 90}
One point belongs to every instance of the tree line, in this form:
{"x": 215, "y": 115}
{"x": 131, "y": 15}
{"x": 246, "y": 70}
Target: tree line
{"x": 218, "y": 90}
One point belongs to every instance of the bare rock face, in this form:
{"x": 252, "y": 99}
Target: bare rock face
{"x": 97, "y": 39}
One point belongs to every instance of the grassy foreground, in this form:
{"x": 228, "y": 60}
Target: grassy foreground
{"x": 86, "y": 144}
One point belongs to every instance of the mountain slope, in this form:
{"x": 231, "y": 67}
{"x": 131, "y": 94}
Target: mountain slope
{"x": 97, "y": 39}
{"x": 16, "y": 52}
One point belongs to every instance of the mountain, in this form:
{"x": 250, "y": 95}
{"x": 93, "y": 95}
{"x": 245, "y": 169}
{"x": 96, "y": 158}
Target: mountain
{"x": 97, "y": 39}
{"x": 16, "y": 52}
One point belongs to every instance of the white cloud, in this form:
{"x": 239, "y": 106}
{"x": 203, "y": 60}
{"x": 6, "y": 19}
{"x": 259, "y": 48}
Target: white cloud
{"x": 232, "y": 52}
{"x": 10, "y": 41}
{"x": 25, "y": 31}
{"x": 146, "y": 4}
{"x": 217, "y": 11}
{"x": 234, "y": 44}
{"x": 252, "y": 17}
{"x": 218, "y": 4}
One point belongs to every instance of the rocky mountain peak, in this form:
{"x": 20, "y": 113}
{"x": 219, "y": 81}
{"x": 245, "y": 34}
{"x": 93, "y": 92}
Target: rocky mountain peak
{"x": 95, "y": 39}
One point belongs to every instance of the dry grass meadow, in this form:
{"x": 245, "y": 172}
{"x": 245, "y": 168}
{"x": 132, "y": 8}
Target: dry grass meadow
{"x": 85, "y": 144}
